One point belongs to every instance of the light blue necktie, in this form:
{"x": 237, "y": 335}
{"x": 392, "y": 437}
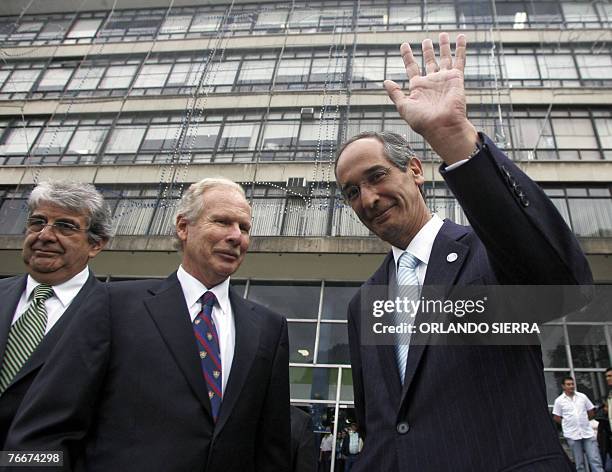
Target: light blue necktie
{"x": 408, "y": 288}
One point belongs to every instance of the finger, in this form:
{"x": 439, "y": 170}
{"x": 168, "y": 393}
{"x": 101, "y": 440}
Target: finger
{"x": 460, "y": 52}
{"x": 446, "y": 62}
{"x": 431, "y": 65}
{"x": 394, "y": 91}
{"x": 412, "y": 68}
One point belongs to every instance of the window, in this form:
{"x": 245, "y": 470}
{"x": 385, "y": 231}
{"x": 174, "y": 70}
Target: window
{"x": 480, "y": 66}
{"x": 409, "y": 15}
{"x": 396, "y": 70}
{"x": 439, "y": 14}
{"x": 372, "y": 17}
{"x": 201, "y": 136}
{"x": 19, "y": 140}
{"x": 578, "y": 13}
{"x": 54, "y": 30}
{"x": 307, "y": 19}
{"x": 54, "y": 79}
{"x": 53, "y": 140}
{"x": 125, "y": 140}
{"x": 534, "y": 131}
{"x": 293, "y": 71}
{"x": 118, "y": 77}
{"x": 86, "y": 78}
{"x": 204, "y": 22}
{"x": 280, "y": 135}
{"x": 271, "y": 20}
{"x": 301, "y": 342}
{"x": 333, "y": 344}
{"x": 186, "y": 74}
{"x": 21, "y": 80}
{"x": 323, "y": 132}
{"x": 176, "y": 24}
{"x": 544, "y": 12}
{"x": 293, "y": 300}
{"x": 475, "y": 12}
{"x": 84, "y": 28}
{"x": 328, "y": 70}
{"x": 574, "y": 133}
{"x": 557, "y": 66}
{"x": 604, "y": 130}
{"x": 369, "y": 69}
{"x": 161, "y": 137}
{"x": 521, "y": 66}
{"x": 595, "y": 66}
{"x": 256, "y": 72}
{"x": 221, "y": 73}
{"x": 87, "y": 140}
{"x": 511, "y": 13}
{"x": 153, "y": 75}
{"x": 243, "y": 135}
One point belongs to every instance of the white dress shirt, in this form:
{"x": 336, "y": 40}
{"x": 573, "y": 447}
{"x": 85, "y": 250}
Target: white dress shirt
{"x": 56, "y": 305}
{"x": 222, "y": 315}
{"x": 573, "y": 410}
{"x": 420, "y": 246}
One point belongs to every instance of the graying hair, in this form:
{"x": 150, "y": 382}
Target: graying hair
{"x": 191, "y": 204}
{"x": 396, "y": 150}
{"x": 79, "y": 198}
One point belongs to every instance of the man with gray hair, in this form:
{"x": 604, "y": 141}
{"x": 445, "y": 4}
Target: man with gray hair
{"x": 68, "y": 224}
{"x": 181, "y": 374}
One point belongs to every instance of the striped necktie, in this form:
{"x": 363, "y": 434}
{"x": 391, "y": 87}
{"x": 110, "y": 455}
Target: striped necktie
{"x": 408, "y": 288}
{"x": 210, "y": 354}
{"x": 25, "y": 335}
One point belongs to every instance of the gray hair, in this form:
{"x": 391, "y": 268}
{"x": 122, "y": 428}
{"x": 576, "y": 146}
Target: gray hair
{"x": 191, "y": 204}
{"x": 79, "y": 198}
{"x": 396, "y": 150}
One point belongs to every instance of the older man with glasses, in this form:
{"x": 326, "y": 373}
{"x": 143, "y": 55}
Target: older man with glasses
{"x": 68, "y": 225}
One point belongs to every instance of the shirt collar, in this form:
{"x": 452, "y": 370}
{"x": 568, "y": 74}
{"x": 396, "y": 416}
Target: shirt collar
{"x": 422, "y": 243}
{"x": 64, "y": 292}
{"x": 193, "y": 290}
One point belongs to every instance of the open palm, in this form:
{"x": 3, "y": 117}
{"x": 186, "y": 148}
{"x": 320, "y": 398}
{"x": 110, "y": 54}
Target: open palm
{"x": 435, "y": 105}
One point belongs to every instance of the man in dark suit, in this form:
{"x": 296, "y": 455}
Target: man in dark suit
{"x": 434, "y": 408}
{"x": 179, "y": 375}
{"x": 303, "y": 452}
{"x": 68, "y": 224}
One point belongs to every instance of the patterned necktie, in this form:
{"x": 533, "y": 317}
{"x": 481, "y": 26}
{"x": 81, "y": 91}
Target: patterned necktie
{"x": 25, "y": 335}
{"x": 210, "y": 355}
{"x": 408, "y": 288}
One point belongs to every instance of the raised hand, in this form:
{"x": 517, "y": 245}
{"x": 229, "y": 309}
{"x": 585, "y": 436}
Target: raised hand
{"x": 435, "y": 105}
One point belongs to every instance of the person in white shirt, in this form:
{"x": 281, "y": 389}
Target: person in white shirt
{"x": 68, "y": 224}
{"x": 573, "y": 411}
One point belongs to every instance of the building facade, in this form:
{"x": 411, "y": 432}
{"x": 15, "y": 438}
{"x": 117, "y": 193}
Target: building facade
{"x": 143, "y": 98}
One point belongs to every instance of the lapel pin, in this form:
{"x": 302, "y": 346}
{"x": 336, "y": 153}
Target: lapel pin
{"x": 452, "y": 257}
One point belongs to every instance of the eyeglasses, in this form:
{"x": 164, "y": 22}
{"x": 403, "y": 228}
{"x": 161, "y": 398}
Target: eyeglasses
{"x": 65, "y": 228}
{"x": 352, "y": 192}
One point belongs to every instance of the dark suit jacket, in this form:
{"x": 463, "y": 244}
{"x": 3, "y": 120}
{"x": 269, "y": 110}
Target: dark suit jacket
{"x": 10, "y": 292}
{"x": 128, "y": 392}
{"x": 303, "y": 451}
{"x": 470, "y": 408}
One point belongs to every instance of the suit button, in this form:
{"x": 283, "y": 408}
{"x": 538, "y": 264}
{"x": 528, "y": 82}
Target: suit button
{"x": 524, "y": 201}
{"x": 403, "y": 427}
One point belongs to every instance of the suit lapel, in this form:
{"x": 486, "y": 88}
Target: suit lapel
{"x": 440, "y": 273}
{"x": 386, "y": 353}
{"x": 170, "y": 314}
{"x": 245, "y": 348}
{"x": 47, "y": 344}
{"x": 10, "y": 294}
